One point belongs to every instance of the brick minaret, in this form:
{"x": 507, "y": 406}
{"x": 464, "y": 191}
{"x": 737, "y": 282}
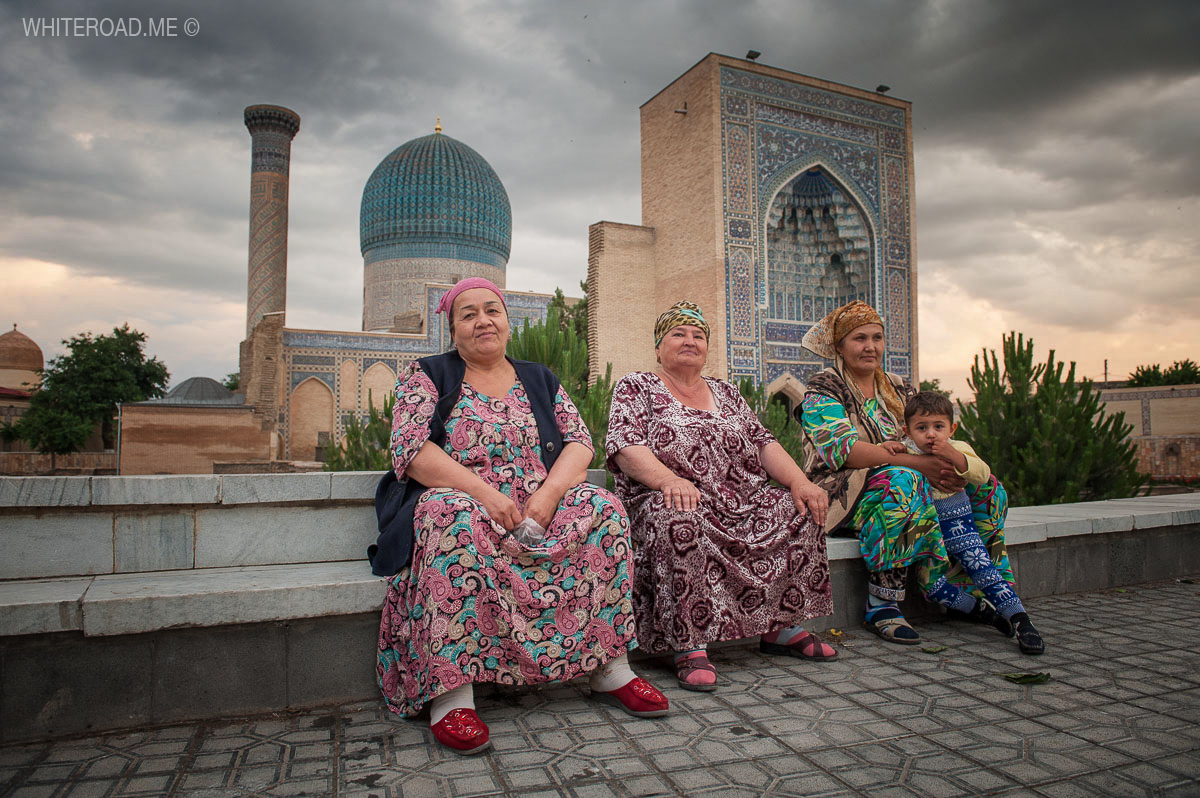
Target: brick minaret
{"x": 272, "y": 129}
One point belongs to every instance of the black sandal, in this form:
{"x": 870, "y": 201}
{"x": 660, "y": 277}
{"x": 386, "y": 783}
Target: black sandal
{"x": 1028, "y": 639}
{"x": 985, "y": 613}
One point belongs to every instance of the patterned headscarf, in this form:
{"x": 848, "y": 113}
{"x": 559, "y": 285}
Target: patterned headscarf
{"x": 677, "y": 315}
{"x": 467, "y": 284}
{"x": 822, "y": 338}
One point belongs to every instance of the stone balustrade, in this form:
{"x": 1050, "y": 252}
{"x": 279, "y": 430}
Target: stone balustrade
{"x": 228, "y": 594}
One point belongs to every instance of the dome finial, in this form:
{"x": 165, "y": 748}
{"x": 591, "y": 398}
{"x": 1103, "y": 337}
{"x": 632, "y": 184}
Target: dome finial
{"x": 438, "y": 127}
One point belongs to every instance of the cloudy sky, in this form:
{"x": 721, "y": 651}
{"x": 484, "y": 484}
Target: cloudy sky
{"x": 1057, "y": 169}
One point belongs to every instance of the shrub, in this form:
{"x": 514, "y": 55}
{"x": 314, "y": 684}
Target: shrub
{"x": 773, "y": 412}
{"x": 1046, "y": 436}
{"x": 366, "y": 445}
{"x": 1181, "y": 372}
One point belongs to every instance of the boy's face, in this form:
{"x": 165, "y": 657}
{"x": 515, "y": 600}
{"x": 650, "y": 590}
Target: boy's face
{"x": 926, "y": 430}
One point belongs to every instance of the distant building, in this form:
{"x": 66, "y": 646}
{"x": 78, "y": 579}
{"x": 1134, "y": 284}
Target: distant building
{"x": 769, "y": 198}
{"x": 433, "y": 211}
{"x": 198, "y": 423}
{"x": 1166, "y": 427}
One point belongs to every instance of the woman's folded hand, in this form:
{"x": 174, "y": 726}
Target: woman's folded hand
{"x": 503, "y": 510}
{"x": 542, "y": 506}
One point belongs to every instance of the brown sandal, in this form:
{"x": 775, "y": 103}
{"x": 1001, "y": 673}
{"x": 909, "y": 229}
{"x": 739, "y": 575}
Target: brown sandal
{"x": 686, "y": 667}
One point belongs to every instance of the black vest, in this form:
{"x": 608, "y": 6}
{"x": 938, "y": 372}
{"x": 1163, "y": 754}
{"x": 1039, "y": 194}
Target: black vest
{"x": 396, "y": 500}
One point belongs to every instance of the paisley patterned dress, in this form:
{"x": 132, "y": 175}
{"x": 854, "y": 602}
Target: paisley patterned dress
{"x": 477, "y": 606}
{"x": 744, "y": 562}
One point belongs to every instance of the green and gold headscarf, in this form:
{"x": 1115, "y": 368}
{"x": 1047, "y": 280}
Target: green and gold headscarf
{"x": 677, "y": 315}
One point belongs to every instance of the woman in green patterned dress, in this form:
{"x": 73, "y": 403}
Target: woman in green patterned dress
{"x": 852, "y": 416}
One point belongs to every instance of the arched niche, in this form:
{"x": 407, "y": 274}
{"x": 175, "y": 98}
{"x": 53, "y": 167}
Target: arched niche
{"x": 789, "y": 387}
{"x": 310, "y": 419}
{"x": 818, "y": 248}
{"x": 378, "y": 381}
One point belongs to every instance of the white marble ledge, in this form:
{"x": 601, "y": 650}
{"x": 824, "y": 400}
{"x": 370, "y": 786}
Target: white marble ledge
{"x": 45, "y": 491}
{"x": 839, "y": 548}
{"x": 132, "y": 603}
{"x": 36, "y": 606}
{"x": 187, "y": 489}
{"x": 156, "y": 489}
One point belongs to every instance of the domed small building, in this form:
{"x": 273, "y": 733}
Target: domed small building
{"x": 21, "y": 360}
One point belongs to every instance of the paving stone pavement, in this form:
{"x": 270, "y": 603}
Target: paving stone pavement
{"x": 1120, "y": 717}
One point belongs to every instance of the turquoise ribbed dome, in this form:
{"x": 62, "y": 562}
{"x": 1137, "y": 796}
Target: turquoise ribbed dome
{"x": 435, "y": 197}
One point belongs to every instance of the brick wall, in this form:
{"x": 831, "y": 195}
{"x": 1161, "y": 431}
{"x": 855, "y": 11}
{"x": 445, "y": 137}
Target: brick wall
{"x": 172, "y": 439}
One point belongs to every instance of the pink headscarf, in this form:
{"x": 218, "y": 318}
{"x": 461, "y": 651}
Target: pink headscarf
{"x": 466, "y": 285}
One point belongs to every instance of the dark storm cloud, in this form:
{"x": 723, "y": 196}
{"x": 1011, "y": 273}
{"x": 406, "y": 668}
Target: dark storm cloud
{"x": 1049, "y": 136}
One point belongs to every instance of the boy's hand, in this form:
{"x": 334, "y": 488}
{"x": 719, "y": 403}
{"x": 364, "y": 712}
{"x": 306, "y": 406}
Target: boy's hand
{"x": 894, "y": 447}
{"x": 944, "y": 450}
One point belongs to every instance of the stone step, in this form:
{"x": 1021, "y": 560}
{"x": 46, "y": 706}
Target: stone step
{"x": 147, "y": 602}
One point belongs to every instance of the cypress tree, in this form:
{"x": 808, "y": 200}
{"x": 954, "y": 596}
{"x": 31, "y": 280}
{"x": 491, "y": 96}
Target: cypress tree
{"x": 1046, "y": 435}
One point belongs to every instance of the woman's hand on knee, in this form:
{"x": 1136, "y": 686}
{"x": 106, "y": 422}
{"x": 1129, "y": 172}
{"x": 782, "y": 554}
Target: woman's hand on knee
{"x": 680, "y": 494}
{"x": 940, "y": 474}
{"x": 809, "y": 499}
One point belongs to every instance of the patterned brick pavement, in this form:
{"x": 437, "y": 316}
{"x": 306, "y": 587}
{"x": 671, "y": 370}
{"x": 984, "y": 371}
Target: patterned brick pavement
{"x": 1120, "y": 717}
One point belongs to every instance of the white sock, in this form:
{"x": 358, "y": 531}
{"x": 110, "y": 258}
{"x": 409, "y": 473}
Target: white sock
{"x": 462, "y": 697}
{"x": 612, "y": 675}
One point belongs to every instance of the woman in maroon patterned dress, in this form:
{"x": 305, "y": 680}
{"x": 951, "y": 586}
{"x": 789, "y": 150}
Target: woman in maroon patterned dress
{"x": 467, "y": 601}
{"x": 721, "y": 552}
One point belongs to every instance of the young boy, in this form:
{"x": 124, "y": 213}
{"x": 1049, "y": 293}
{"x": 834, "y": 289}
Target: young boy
{"x": 929, "y": 424}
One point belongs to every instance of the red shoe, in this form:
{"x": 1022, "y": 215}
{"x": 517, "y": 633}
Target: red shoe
{"x": 639, "y": 698}
{"x": 463, "y": 731}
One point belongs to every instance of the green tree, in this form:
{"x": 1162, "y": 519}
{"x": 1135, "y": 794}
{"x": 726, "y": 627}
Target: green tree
{"x": 933, "y": 385}
{"x": 572, "y": 318}
{"x": 560, "y": 347}
{"x": 84, "y": 387}
{"x": 232, "y": 380}
{"x": 1181, "y": 372}
{"x": 1046, "y": 436}
{"x": 775, "y": 415}
{"x": 367, "y": 442}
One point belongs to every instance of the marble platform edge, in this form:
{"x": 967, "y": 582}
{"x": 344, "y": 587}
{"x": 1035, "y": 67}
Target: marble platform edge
{"x": 136, "y": 603}
{"x": 36, "y": 493}
{"x": 131, "y": 603}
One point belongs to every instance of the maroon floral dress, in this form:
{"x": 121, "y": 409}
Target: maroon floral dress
{"x": 477, "y": 606}
{"x": 744, "y": 562}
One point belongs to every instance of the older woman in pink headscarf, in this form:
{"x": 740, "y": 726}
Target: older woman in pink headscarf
{"x": 483, "y": 446}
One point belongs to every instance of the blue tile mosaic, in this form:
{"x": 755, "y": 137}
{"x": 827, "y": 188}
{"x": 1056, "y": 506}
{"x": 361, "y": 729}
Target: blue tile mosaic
{"x": 826, "y": 176}
{"x": 432, "y": 192}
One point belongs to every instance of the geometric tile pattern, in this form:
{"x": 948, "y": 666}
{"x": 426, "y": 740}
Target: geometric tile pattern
{"x": 320, "y": 354}
{"x": 1120, "y": 718}
{"x": 773, "y": 131}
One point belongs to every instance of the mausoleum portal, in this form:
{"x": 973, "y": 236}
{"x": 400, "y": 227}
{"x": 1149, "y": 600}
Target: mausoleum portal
{"x": 818, "y": 249}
